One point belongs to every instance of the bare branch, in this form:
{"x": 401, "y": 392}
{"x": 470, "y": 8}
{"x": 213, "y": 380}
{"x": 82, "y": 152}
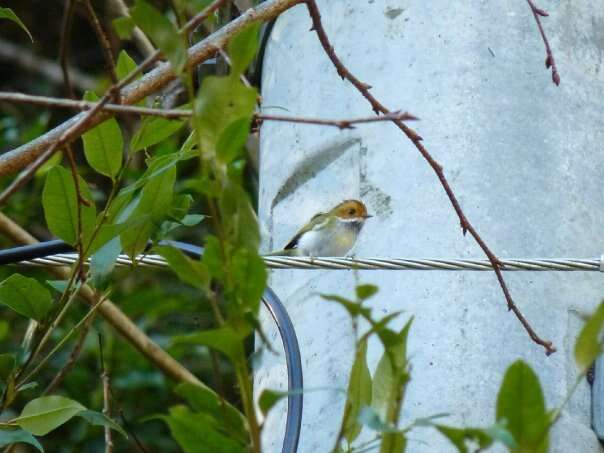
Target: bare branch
{"x": 466, "y": 226}
{"x": 340, "y": 124}
{"x": 550, "y": 62}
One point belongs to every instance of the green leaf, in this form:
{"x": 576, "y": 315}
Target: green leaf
{"x": 239, "y": 217}
{"x": 125, "y": 63}
{"x": 152, "y": 131}
{"x": 393, "y": 443}
{"x": 366, "y": 291}
{"x": 103, "y": 144}
{"x": 520, "y": 402}
{"x": 589, "y": 342}
{"x": 123, "y": 27}
{"x": 221, "y": 101}
{"x": 203, "y": 399}
{"x": 459, "y": 437}
{"x": 103, "y": 261}
{"x": 25, "y": 296}
{"x": 60, "y": 203}
{"x": 7, "y": 13}
{"x": 197, "y": 433}
{"x": 190, "y": 271}
{"x": 100, "y": 419}
{"x": 232, "y": 140}
{"x": 15, "y": 436}
{"x": 4, "y": 329}
{"x": 354, "y": 309}
{"x": 224, "y": 339}
{"x": 44, "y": 414}
{"x": 163, "y": 33}
{"x": 212, "y": 257}
{"x": 370, "y": 418}
{"x": 7, "y": 365}
{"x": 391, "y": 376}
{"x": 250, "y": 275}
{"x": 152, "y": 205}
{"x": 268, "y": 399}
{"x": 358, "y": 394}
{"x": 242, "y": 48}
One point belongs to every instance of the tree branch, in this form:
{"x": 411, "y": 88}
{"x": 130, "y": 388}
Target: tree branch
{"x": 466, "y": 226}
{"x": 13, "y": 161}
{"x": 538, "y": 13}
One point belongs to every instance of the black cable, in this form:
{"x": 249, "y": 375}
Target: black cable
{"x": 269, "y": 299}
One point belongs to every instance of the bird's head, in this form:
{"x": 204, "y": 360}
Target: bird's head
{"x": 351, "y": 210}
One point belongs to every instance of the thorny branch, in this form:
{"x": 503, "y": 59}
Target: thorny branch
{"x": 550, "y": 62}
{"x": 466, "y": 226}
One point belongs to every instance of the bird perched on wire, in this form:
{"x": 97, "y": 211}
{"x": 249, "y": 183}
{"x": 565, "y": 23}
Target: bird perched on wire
{"x": 330, "y": 233}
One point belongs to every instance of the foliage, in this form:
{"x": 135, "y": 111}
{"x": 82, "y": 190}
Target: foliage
{"x": 139, "y": 181}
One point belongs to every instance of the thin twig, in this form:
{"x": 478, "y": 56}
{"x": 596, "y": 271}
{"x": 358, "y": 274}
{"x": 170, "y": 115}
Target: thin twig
{"x": 185, "y": 113}
{"x": 64, "y": 47}
{"x": 105, "y": 46}
{"x": 550, "y": 62}
{"x": 106, "y": 382}
{"x": 80, "y": 200}
{"x": 466, "y": 226}
{"x": 340, "y": 124}
{"x": 73, "y": 358}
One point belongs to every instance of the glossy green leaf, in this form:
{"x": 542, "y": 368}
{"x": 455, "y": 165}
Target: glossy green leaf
{"x": 212, "y": 257}
{"x": 60, "y": 202}
{"x": 242, "y": 48}
{"x": 358, "y": 394}
{"x": 18, "y": 436}
{"x": 7, "y": 13}
{"x": 123, "y": 26}
{"x": 154, "y": 130}
{"x": 100, "y": 419}
{"x": 366, "y": 291}
{"x": 125, "y": 63}
{"x": 161, "y": 31}
{"x": 268, "y": 398}
{"x": 520, "y": 402}
{"x": 221, "y": 101}
{"x": 103, "y": 144}
{"x": 223, "y": 339}
{"x": 393, "y": 443}
{"x": 44, "y": 414}
{"x": 589, "y": 342}
{"x": 190, "y": 271}
{"x": 198, "y": 433}
{"x": 232, "y": 140}
{"x": 25, "y": 296}
{"x": 459, "y": 437}
{"x": 203, "y": 399}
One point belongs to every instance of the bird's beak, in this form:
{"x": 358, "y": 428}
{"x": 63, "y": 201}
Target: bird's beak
{"x": 368, "y": 216}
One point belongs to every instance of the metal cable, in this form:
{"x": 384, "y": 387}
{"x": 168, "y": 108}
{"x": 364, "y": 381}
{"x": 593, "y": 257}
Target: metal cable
{"x": 299, "y": 262}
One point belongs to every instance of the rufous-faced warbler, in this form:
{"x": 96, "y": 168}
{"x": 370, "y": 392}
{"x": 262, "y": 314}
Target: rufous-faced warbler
{"x": 330, "y": 233}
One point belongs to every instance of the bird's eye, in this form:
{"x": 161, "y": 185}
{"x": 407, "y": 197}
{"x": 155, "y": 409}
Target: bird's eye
{"x": 352, "y": 211}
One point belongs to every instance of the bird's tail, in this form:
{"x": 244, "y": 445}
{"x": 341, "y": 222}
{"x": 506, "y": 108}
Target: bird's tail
{"x": 285, "y": 252}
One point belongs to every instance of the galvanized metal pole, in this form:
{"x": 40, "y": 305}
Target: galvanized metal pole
{"x": 524, "y": 157}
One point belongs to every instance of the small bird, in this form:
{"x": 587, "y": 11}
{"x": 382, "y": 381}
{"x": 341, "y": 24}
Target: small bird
{"x": 331, "y": 233}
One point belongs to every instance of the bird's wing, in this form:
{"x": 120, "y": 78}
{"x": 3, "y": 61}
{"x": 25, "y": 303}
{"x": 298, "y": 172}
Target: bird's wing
{"x": 315, "y": 222}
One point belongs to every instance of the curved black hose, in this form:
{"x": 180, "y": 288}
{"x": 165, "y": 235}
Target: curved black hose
{"x": 270, "y": 300}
